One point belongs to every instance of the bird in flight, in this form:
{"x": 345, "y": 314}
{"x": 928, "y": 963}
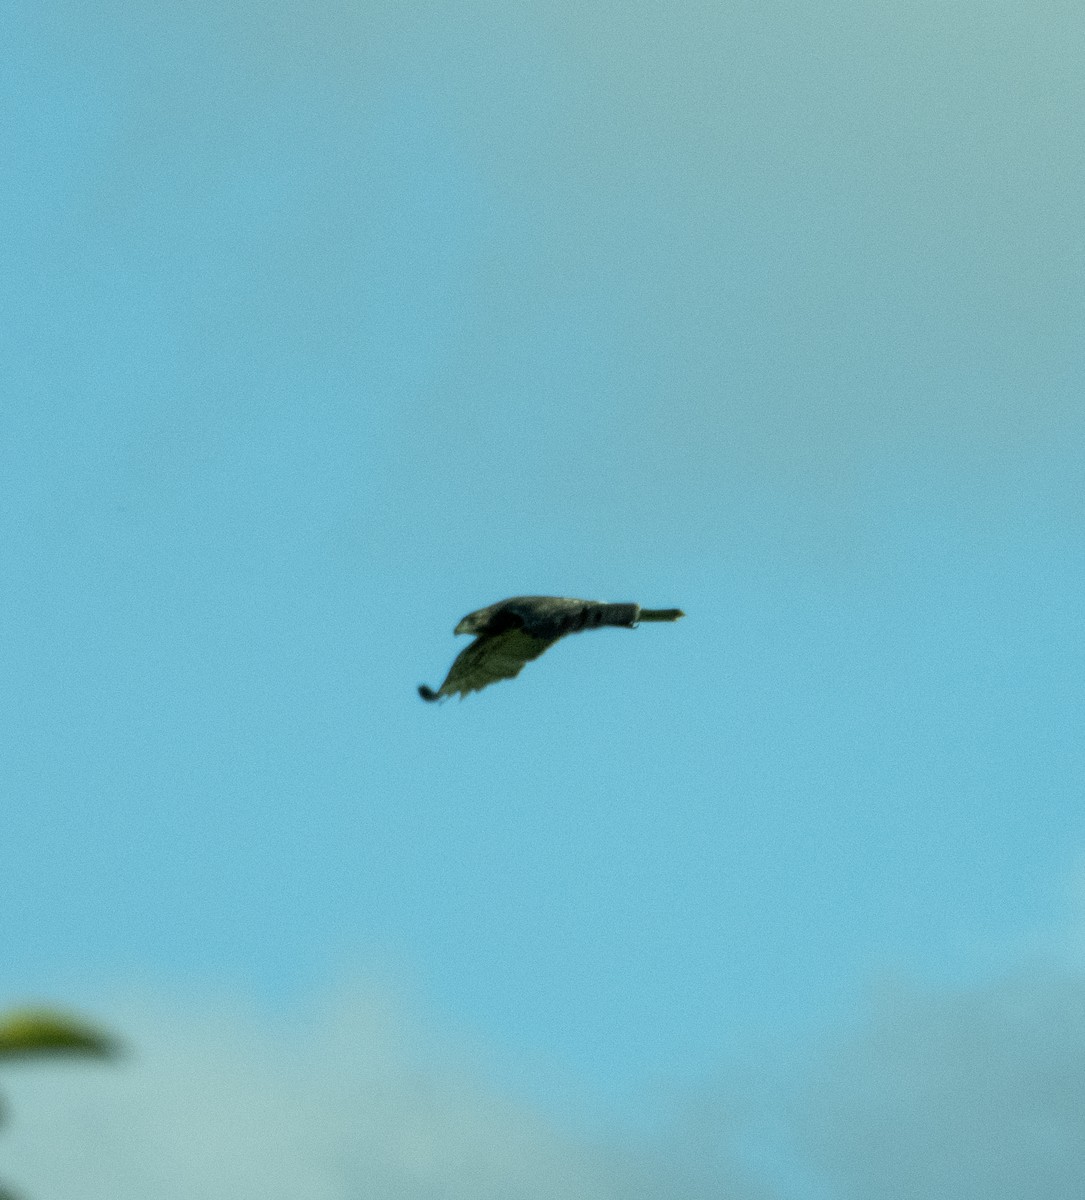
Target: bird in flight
{"x": 513, "y": 632}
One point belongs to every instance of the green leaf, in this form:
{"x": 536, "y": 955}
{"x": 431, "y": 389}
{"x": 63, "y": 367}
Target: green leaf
{"x": 37, "y": 1031}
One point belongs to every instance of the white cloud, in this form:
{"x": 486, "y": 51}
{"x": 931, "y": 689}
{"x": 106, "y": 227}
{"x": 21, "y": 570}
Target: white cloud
{"x": 222, "y": 1102}
{"x": 975, "y": 1094}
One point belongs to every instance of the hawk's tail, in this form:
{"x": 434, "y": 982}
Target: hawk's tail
{"x": 660, "y": 614}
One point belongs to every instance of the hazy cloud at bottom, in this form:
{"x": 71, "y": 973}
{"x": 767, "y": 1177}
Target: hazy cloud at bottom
{"x": 219, "y": 1101}
{"x": 972, "y": 1092}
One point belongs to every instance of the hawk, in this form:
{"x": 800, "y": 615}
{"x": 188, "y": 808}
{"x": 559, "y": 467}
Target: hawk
{"x": 513, "y": 632}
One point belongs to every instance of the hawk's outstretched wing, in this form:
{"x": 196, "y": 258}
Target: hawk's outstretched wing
{"x": 488, "y": 659}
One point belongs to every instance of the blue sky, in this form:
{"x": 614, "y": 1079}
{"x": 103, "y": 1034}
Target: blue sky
{"x": 325, "y": 325}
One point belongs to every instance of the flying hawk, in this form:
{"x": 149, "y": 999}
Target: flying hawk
{"x": 513, "y": 632}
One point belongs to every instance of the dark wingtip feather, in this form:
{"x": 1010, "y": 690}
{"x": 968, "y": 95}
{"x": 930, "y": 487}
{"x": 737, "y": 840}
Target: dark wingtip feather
{"x": 427, "y": 693}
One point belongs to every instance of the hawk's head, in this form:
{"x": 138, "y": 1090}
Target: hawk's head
{"x": 497, "y": 618}
{"x": 475, "y": 623}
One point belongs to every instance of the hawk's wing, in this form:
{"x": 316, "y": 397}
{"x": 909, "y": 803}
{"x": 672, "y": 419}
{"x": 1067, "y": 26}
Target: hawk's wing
{"x": 488, "y": 659}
